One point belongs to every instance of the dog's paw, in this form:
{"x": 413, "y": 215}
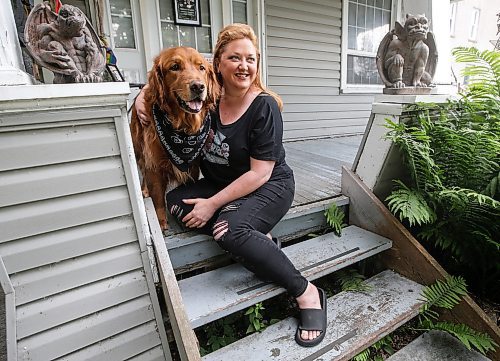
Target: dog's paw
{"x": 163, "y": 224}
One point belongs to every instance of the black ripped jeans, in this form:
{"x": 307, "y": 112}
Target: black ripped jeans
{"x": 248, "y": 220}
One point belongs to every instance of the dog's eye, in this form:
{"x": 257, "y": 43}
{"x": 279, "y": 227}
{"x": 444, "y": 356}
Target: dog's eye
{"x": 175, "y": 67}
{"x": 202, "y": 67}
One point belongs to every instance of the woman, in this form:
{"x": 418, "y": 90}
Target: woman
{"x": 247, "y": 186}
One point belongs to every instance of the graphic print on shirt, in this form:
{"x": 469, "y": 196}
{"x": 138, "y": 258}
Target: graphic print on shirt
{"x": 218, "y": 152}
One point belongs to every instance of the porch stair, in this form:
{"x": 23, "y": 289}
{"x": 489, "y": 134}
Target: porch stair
{"x": 436, "y": 346}
{"x": 355, "y": 320}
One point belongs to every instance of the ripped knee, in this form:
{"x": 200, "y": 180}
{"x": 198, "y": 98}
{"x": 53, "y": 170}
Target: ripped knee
{"x": 219, "y": 229}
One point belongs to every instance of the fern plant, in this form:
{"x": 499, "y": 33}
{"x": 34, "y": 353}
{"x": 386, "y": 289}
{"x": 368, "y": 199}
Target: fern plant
{"x": 374, "y": 352}
{"x": 447, "y": 294}
{"x": 335, "y": 218}
{"x": 351, "y": 280}
{"x": 444, "y": 294}
{"x": 452, "y": 153}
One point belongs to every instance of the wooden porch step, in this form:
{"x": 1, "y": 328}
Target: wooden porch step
{"x": 436, "y": 345}
{"x": 189, "y": 250}
{"x": 215, "y": 294}
{"x": 355, "y": 321}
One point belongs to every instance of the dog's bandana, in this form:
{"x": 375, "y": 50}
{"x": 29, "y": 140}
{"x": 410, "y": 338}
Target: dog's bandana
{"x": 181, "y": 148}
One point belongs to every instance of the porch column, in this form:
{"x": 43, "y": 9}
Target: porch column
{"x": 11, "y": 64}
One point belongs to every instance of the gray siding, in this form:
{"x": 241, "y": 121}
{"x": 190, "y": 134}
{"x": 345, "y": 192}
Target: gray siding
{"x": 70, "y": 240}
{"x": 303, "y": 59}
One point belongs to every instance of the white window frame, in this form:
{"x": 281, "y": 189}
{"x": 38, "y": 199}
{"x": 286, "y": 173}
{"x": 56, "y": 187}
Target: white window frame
{"x": 212, "y": 35}
{"x": 133, "y": 10}
{"x": 359, "y": 88}
{"x": 474, "y": 26}
{"x": 453, "y": 17}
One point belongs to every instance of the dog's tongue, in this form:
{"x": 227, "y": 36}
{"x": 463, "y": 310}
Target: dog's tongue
{"x": 195, "y": 104}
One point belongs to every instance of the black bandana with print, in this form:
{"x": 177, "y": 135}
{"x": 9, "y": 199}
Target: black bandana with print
{"x": 181, "y": 148}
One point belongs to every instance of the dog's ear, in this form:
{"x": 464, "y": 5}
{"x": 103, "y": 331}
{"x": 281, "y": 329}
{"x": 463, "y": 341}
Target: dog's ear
{"x": 213, "y": 87}
{"x": 156, "y": 93}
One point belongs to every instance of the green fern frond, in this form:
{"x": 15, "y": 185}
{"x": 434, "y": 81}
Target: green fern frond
{"x": 352, "y": 281}
{"x": 335, "y": 218}
{"x": 410, "y": 205}
{"x": 363, "y": 355}
{"x": 445, "y": 294}
{"x": 482, "y": 342}
{"x": 483, "y": 69}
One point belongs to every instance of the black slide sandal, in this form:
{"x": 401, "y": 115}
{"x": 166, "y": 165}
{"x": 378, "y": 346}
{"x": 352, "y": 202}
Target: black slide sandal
{"x": 312, "y": 320}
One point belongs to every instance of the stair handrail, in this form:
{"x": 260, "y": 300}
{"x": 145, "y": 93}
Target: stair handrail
{"x": 185, "y": 339}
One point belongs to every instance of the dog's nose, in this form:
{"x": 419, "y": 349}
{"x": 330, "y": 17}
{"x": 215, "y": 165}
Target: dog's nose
{"x": 197, "y": 87}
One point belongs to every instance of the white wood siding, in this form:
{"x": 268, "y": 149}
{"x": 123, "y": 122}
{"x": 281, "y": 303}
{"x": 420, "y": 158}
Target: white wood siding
{"x": 303, "y": 59}
{"x": 71, "y": 240}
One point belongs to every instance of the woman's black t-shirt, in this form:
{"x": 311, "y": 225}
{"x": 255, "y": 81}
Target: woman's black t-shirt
{"x": 257, "y": 133}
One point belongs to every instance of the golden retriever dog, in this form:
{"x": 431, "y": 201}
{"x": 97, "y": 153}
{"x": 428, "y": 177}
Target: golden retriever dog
{"x": 182, "y": 89}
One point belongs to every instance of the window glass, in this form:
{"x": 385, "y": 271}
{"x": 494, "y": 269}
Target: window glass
{"x": 453, "y": 16}
{"x": 474, "y": 24}
{"x": 122, "y": 26}
{"x": 240, "y": 12}
{"x": 196, "y": 37}
{"x": 368, "y": 21}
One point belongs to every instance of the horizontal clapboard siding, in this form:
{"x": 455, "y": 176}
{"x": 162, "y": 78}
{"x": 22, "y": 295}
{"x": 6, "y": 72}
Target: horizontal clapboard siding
{"x": 70, "y": 240}
{"x": 303, "y": 67}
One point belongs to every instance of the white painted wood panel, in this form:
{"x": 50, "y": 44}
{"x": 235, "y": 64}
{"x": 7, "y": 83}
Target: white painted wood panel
{"x": 286, "y": 33}
{"x": 71, "y": 231}
{"x": 52, "y": 247}
{"x": 121, "y": 346}
{"x": 83, "y": 332}
{"x": 50, "y": 215}
{"x": 303, "y": 57}
{"x": 317, "y": 90}
{"x": 63, "y": 307}
{"x": 283, "y": 11}
{"x": 305, "y": 6}
{"x": 277, "y": 22}
{"x": 293, "y": 43}
{"x": 277, "y": 62}
{"x": 303, "y": 54}
{"x": 34, "y": 184}
{"x": 302, "y": 81}
{"x": 306, "y": 73}
{"x": 66, "y": 275}
{"x": 40, "y": 147}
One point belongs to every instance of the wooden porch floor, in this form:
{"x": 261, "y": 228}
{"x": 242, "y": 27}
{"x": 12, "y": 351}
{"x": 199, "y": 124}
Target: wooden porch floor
{"x": 317, "y": 165}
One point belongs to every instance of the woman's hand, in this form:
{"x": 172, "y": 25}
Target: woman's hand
{"x": 140, "y": 107}
{"x": 202, "y": 212}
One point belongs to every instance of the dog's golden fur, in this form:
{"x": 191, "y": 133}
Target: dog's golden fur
{"x": 177, "y": 73}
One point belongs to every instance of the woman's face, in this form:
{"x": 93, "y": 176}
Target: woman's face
{"x": 238, "y": 64}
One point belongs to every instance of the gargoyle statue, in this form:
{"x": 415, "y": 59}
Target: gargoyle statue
{"x": 64, "y": 44}
{"x": 407, "y": 55}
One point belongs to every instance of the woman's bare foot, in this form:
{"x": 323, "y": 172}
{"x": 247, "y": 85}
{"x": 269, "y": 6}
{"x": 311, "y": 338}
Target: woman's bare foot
{"x": 309, "y": 299}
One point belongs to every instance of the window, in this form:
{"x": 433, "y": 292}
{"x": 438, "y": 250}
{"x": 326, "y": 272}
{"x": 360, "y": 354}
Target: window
{"x": 122, "y": 26}
{"x": 474, "y": 24}
{"x": 453, "y": 17}
{"x": 240, "y": 11}
{"x": 367, "y": 23}
{"x": 196, "y": 37}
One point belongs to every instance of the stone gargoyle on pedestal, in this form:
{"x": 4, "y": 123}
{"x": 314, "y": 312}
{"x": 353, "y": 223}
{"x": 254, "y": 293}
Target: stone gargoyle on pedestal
{"x": 64, "y": 44}
{"x": 407, "y": 57}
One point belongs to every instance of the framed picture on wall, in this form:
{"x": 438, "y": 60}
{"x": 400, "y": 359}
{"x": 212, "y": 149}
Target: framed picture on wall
{"x": 187, "y": 12}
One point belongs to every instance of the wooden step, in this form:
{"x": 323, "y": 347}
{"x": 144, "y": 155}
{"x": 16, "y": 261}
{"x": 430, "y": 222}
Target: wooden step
{"x": 215, "y": 294}
{"x": 190, "y": 250}
{"x": 436, "y": 345}
{"x": 355, "y": 321}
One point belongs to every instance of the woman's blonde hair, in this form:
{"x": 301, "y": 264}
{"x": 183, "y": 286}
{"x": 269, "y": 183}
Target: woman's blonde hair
{"x": 235, "y": 32}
